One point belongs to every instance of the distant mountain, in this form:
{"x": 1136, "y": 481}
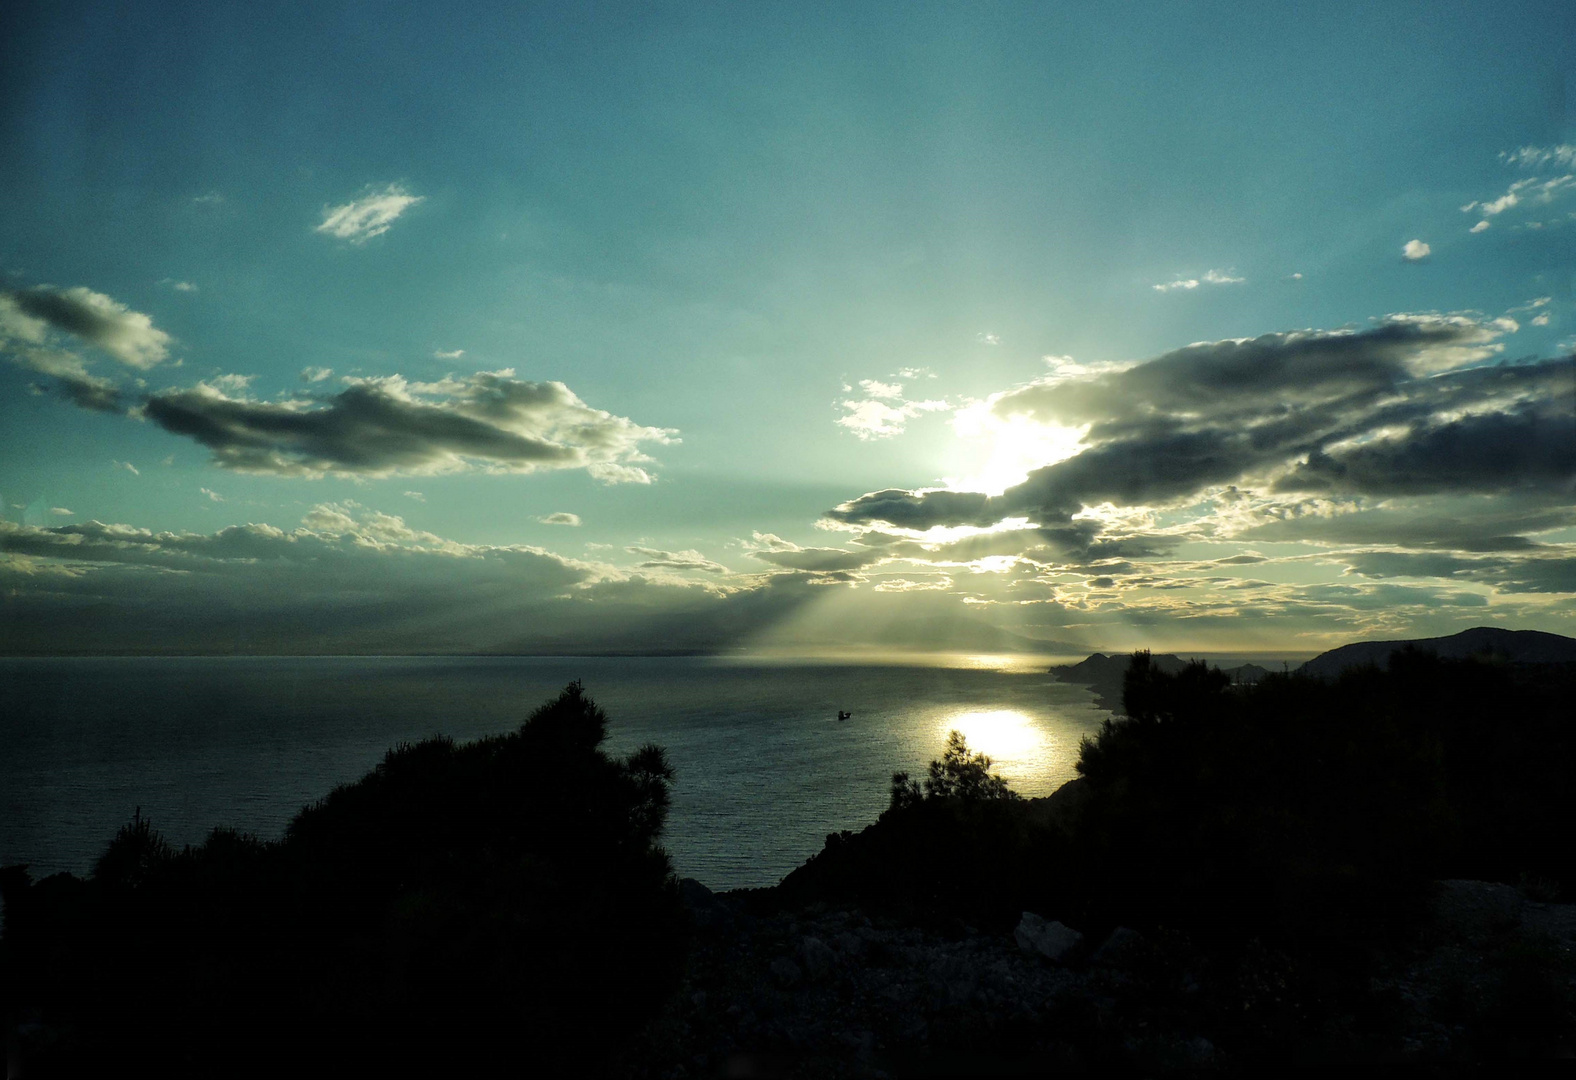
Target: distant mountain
{"x": 1105, "y": 674}
{"x": 1489, "y": 642}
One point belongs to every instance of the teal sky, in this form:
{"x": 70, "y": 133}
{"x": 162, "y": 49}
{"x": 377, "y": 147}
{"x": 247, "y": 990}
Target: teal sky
{"x": 297, "y": 271}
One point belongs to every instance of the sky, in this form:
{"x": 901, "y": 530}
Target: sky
{"x": 646, "y": 327}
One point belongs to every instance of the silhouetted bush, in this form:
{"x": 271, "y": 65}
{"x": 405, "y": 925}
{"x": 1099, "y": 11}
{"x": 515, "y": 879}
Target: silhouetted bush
{"x": 500, "y": 906}
{"x": 955, "y": 775}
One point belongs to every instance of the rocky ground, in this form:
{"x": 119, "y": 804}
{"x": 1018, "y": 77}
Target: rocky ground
{"x": 821, "y": 992}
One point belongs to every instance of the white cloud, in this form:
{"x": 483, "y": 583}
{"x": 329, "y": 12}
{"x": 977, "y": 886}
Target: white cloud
{"x": 560, "y": 518}
{"x": 1540, "y": 320}
{"x": 1210, "y": 277}
{"x": 1479, "y": 227}
{"x": 882, "y": 412}
{"x": 61, "y": 511}
{"x": 989, "y": 339}
{"x": 1530, "y": 191}
{"x": 371, "y": 215}
{"x": 315, "y": 374}
{"x": 418, "y": 496}
{"x": 1414, "y": 250}
{"x": 452, "y": 354}
{"x": 213, "y": 496}
{"x": 128, "y": 466}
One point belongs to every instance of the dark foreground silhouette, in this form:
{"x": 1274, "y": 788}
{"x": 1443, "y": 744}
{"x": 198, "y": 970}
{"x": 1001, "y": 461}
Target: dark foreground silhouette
{"x": 1243, "y": 878}
{"x": 495, "y": 907}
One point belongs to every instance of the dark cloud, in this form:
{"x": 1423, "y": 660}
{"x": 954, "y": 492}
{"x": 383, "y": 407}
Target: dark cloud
{"x": 1470, "y": 524}
{"x": 382, "y": 426}
{"x": 1532, "y": 447}
{"x": 349, "y": 580}
{"x": 1239, "y": 411}
{"x": 656, "y": 559}
{"x": 822, "y": 560}
{"x": 1552, "y": 570}
{"x": 129, "y": 336}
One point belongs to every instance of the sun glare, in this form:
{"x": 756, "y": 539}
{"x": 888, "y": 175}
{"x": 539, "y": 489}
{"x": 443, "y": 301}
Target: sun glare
{"x": 1004, "y": 734}
{"x": 1011, "y": 446}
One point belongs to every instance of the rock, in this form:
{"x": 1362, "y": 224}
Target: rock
{"x": 785, "y": 971}
{"x": 1051, "y": 939}
{"x": 1119, "y": 949}
{"x": 817, "y": 957}
{"x": 1477, "y": 908}
{"x": 705, "y": 907}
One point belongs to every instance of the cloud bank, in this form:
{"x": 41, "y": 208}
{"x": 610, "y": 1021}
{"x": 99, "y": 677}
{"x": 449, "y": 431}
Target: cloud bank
{"x": 1404, "y": 407}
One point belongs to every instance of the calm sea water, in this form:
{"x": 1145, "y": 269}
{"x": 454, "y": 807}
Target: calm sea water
{"x": 765, "y": 770}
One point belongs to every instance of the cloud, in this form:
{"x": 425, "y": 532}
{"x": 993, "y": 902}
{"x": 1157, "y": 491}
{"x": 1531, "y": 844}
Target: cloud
{"x": 1529, "y": 191}
{"x": 91, "y": 317}
{"x": 418, "y": 496}
{"x": 213, "y": 496}
{"x": 1291, "y": 407}
{"x": 1415, "y": 250}
{"x": 882, "y": 412}
{"x": 819, "y": 560}
{"x": 1210, "y": 277}
{"x": 560, "y": 518}
{"x": 352, "y": 579}
{"x": 61, "y": 511}
{"x": 452, "y": 354}
{"x": 316, "y": 374}
{"x": 386, "y": 426}
{"x": 1535, "y": 157}
{"x": 371, "y": 215}
{"x": 989, "y": 339}
{"x": 1481, "y": 226}
{"x": 656, "y": 559}
{"x": 128, "y": 466}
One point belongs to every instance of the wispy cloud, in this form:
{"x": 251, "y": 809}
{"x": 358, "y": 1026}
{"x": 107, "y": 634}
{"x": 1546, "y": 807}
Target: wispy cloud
{"x": 315, "y": 374}
{"x": 1535, "y": 157}
{"x": 213, "y": 496}
{"x": 560, "y": 518}
{"x": 451, "y": 354}
{"x": 371, "y": 215}
{"x": 1210, "y": 277}
{"x": 128, "y": 466}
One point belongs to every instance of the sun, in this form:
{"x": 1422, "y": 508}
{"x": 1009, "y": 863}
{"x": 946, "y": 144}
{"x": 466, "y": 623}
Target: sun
{"x": 1009, "y": 448}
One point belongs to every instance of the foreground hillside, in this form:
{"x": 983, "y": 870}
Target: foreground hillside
{"x": 1294, "y": 873}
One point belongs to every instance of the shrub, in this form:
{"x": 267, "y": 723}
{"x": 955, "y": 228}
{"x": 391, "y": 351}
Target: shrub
{"x": 501, "y": 905}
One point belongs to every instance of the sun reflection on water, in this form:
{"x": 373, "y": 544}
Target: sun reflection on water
{"x": 1003, "y": 734}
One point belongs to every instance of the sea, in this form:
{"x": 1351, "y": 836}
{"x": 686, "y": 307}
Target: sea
{"x": 765, "y": 768}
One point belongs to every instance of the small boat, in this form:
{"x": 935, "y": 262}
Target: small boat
{"x": 841, "y": 715}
